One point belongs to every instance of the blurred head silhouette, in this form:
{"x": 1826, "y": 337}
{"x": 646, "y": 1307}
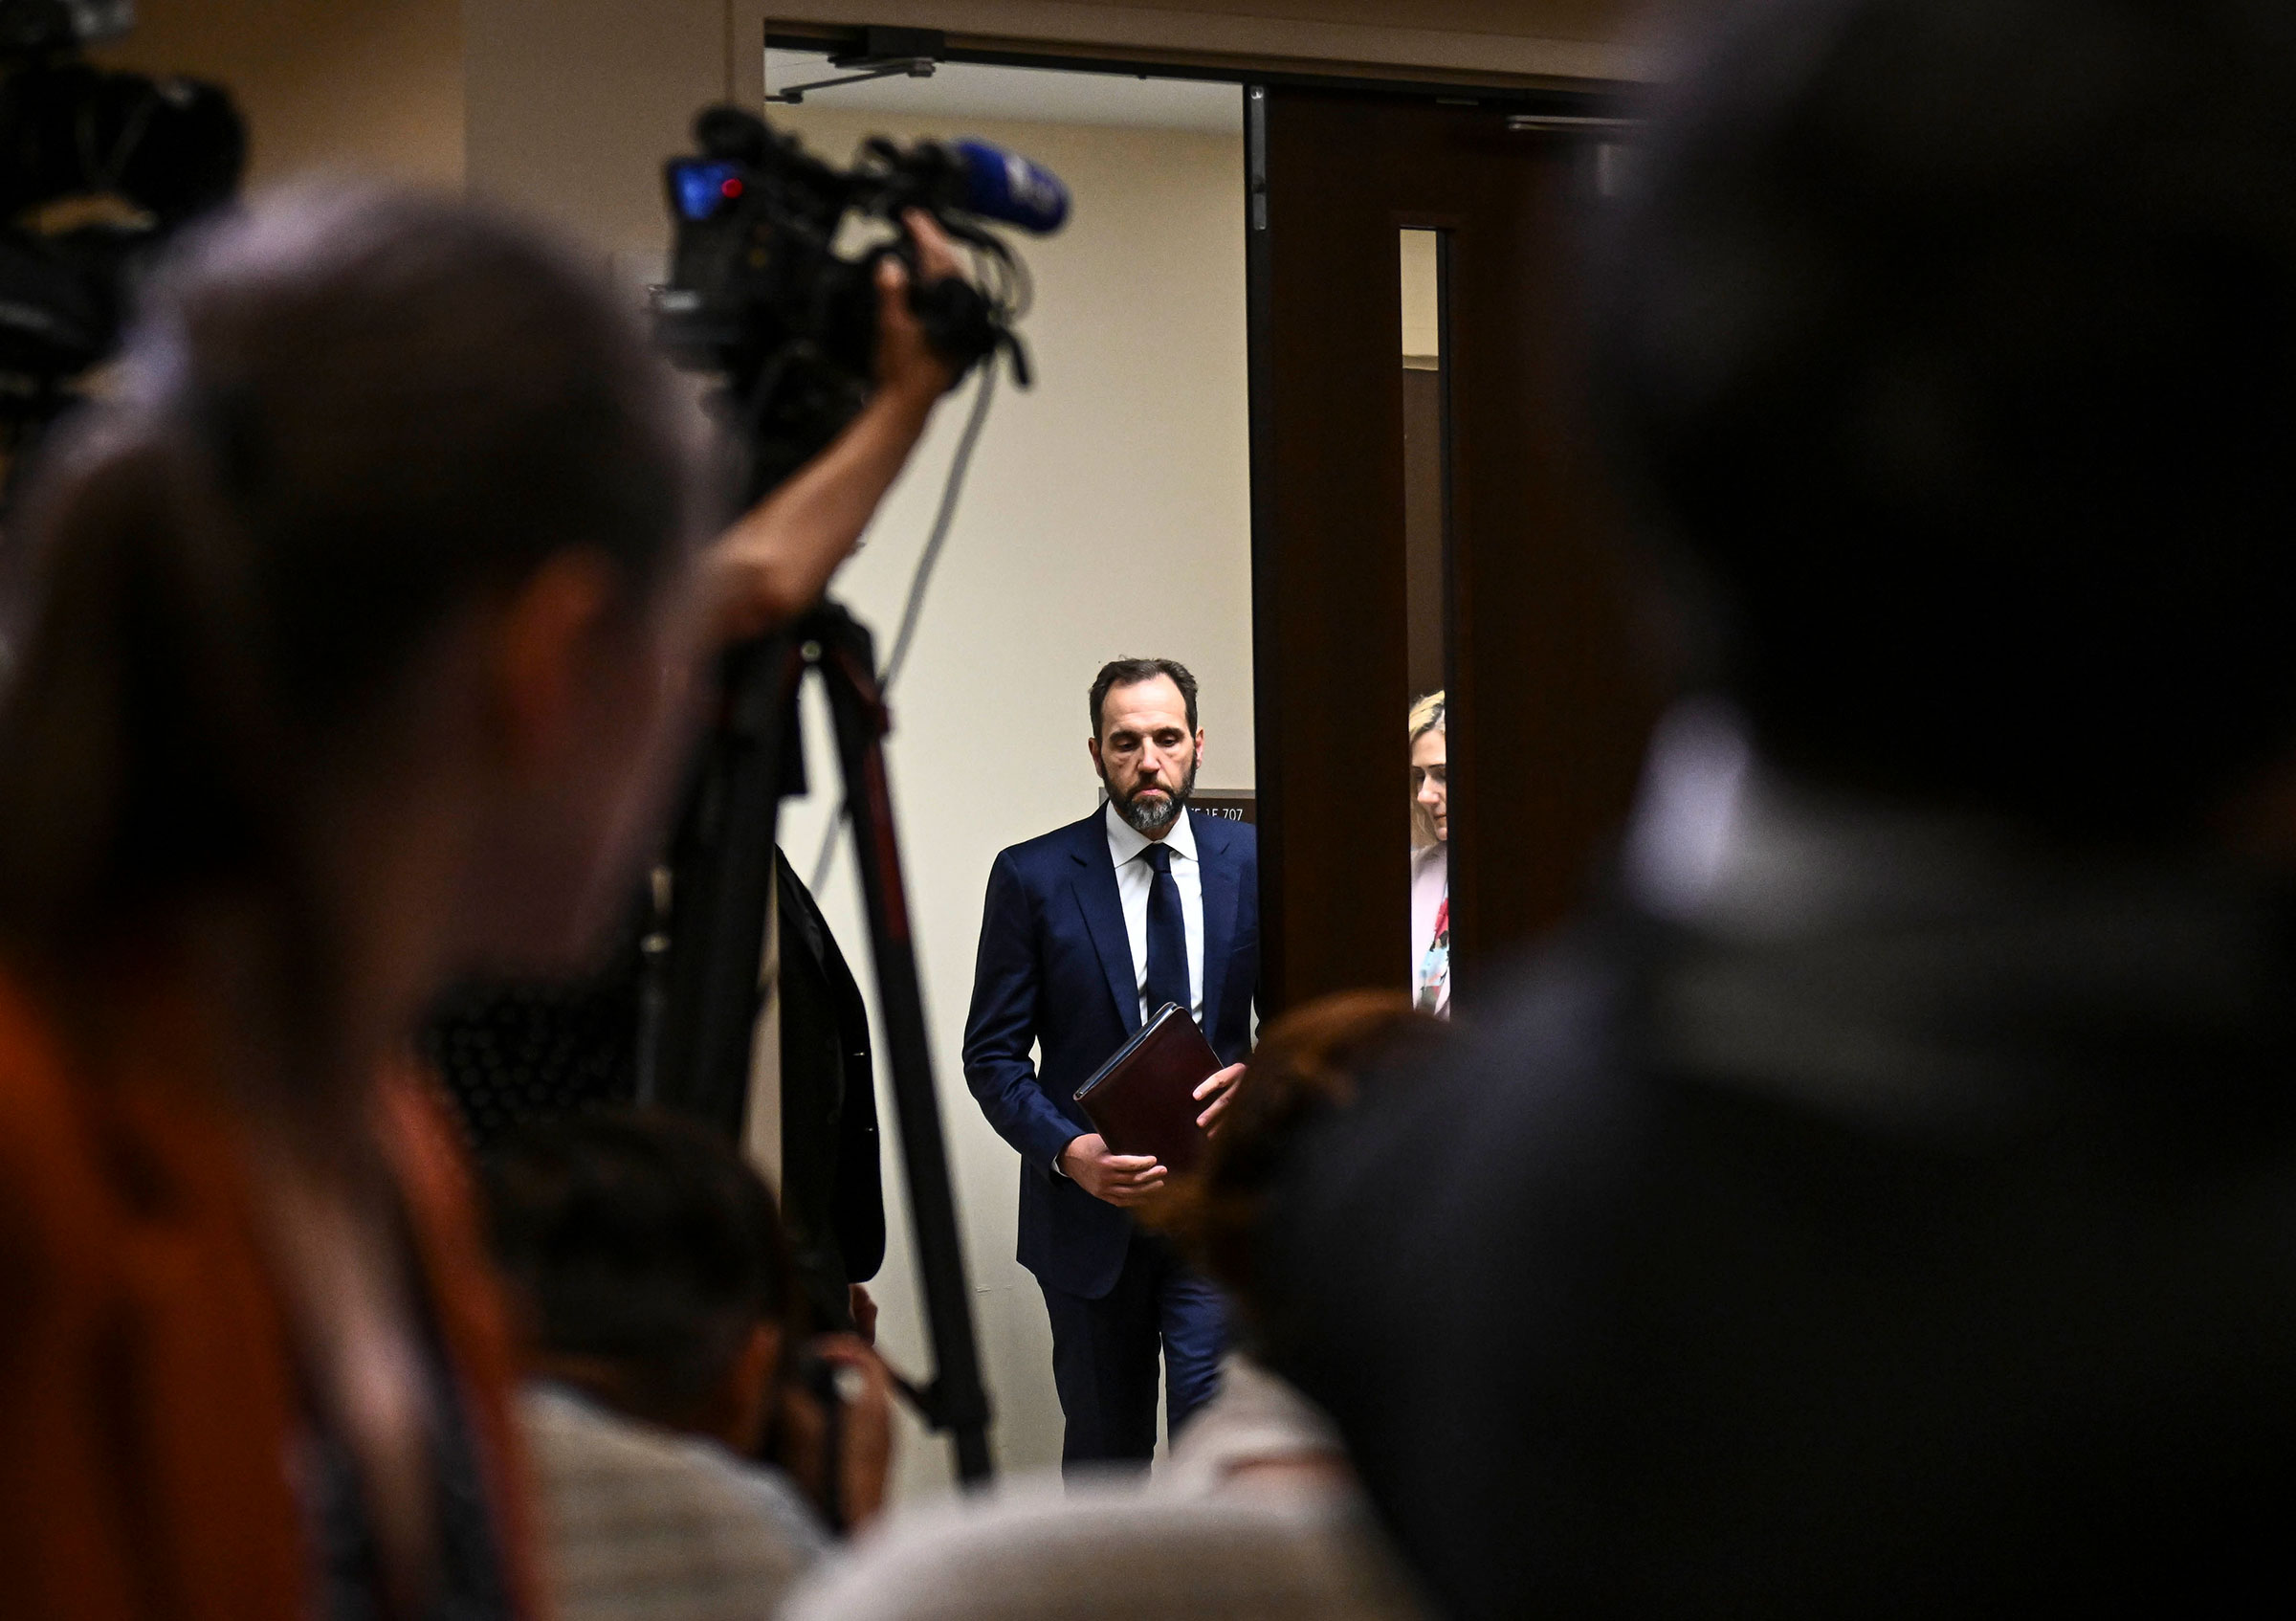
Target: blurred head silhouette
{"x": 1952, "y": 344}
{"x": 356, "y": 602}
{"x": 1308, "y": 1067}
{"x": 649, "y": 1263}
{"x": 348, "y": 638}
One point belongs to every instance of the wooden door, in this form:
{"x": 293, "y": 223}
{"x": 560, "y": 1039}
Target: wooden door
{"x": 1550, "y": 703}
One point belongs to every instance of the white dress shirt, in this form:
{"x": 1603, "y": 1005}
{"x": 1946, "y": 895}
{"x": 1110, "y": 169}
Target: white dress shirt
{"x": 1134, "y": 876}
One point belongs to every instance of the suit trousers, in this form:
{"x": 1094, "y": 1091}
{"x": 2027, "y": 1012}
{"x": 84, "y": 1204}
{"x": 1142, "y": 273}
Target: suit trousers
{"x": 1104, "y": 1354}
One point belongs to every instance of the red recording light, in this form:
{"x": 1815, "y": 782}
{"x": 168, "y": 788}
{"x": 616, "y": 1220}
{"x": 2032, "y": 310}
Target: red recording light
{"x": 730, "y": 186}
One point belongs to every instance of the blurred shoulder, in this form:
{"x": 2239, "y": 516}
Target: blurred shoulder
{"x": 34, "y": 1089}
{"x": 635, "y": 1514}
{"x": 53, "y": 1198}
{"x": 1530, "y": 1093}
{"x": 1034, "y": 1550}
{"x": 1535, "y": 1075}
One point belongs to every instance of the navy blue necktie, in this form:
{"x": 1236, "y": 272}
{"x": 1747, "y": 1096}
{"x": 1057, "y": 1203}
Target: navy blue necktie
{"x": 1167, "y": 936}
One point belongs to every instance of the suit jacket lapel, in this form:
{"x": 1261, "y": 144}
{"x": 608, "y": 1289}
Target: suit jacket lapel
{"x": 1097, "y": 896}
{"x": 1219, "y": 877}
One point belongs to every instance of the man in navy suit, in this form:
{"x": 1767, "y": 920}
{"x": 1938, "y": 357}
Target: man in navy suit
{"x": 1086, "y": 931}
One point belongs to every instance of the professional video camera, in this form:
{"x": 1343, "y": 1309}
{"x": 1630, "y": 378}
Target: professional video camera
{"x": 95, "y": 167}
{"x": 765, "y": 290}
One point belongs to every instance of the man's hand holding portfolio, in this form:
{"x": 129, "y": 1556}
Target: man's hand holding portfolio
{"x": 1126, "y": 1179}
{"x": 1122, "y": 1180}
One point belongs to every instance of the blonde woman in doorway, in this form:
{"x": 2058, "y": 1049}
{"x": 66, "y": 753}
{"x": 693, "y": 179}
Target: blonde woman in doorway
{"x": 1430, "y": 858}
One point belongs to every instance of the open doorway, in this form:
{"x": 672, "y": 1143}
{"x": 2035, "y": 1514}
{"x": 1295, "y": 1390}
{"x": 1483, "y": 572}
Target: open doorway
{"x": 1107, "y": 513}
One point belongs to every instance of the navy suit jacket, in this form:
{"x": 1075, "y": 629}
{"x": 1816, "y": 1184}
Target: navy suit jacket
{"x": 1056, "y": 972}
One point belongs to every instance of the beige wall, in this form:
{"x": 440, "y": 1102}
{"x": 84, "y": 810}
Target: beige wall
{"x": 572, "y": 104}
{"x": 374, "y": 86}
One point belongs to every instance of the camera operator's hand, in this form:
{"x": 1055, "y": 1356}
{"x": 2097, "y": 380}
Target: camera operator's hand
{"x": 1118, "y": 1179}
{"x": 865, "y": 1433}
{"x": 778, "y": 558}
{"x": 907, "y": 361}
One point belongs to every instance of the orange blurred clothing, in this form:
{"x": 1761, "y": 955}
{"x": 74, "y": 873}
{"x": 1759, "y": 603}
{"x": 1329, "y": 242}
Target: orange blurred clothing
{"x": 149, "y": 1396}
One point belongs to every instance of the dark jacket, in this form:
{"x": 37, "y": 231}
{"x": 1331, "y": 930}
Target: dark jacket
{"x": 833, "y": 1191}
{"x": 1056, "y": 972}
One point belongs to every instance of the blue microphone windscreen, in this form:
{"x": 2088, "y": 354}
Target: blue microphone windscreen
{"x": 1005, "y": 185}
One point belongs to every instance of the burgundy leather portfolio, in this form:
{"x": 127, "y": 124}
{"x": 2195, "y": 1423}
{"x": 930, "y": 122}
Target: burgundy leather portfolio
{"x": 1142, "y": 1101}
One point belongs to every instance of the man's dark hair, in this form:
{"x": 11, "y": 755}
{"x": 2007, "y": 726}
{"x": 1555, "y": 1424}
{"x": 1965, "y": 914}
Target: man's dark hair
{"x": 1955, "y": 343}
{"x": 1131, "y": 673}
{"x": 641, "y": 1240}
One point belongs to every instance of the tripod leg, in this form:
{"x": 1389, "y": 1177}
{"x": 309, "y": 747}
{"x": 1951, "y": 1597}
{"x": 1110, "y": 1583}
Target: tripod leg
{"x": 960, "y": 1402}
{"x": 723, "y": 865}
{"x": 700, "y": 1046}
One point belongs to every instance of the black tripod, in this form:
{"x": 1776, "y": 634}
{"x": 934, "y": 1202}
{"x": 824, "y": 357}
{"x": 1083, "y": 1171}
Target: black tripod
{"x": 703, "y": 1013}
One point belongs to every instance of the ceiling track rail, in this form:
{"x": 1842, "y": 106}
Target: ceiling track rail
{"x": 855, "y": 47}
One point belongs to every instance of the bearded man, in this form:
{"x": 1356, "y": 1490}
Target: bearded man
{"x": 1089, "y": 930}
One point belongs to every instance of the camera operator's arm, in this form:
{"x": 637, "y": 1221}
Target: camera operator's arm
{"x": 776, "y": 560}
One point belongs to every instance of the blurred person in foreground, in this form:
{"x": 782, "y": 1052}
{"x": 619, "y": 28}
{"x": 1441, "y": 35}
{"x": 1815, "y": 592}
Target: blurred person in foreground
{"x": 1430, "y": 856}
{"x": 351, "y": 639}
{"x": 1886, "y": 1205}
{"x": 662, "y": 1316}
{"x": 1259, "y": 1434}
{"x": 1256, "y": 1516}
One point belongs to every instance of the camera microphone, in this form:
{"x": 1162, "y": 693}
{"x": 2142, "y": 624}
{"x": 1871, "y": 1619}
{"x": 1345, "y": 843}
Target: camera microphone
{"x": 1007, "y": 187}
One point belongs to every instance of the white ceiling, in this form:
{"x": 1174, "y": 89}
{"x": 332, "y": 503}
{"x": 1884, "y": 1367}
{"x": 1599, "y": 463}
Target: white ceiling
{"x": 962, "y": 90}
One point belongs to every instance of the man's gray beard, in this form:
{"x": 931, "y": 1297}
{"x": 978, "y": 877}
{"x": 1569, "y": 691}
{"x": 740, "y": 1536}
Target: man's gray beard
{"x": 1143, "y": 818}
